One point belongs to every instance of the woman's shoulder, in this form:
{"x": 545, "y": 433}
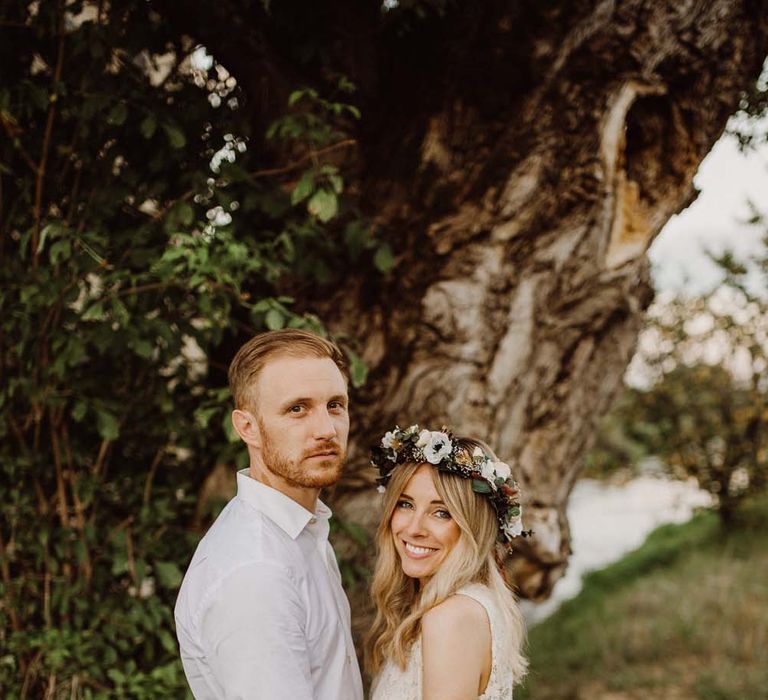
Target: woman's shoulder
{"x": 456, "y": 608}
{"x": 457, "y": 612}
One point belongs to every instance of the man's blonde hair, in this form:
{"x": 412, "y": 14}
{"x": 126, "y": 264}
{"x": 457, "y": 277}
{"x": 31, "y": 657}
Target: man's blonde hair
{"x": 252, "y": 357}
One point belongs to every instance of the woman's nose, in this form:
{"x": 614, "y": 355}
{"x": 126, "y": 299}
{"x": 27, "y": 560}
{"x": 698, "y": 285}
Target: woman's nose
{"x": 416, "y": 525}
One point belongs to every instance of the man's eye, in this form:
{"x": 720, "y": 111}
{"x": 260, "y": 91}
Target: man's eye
{"x": 296, "y": 409}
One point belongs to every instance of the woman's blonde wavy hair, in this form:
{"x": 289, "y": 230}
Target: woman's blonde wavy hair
{"x": 400, "y": 604}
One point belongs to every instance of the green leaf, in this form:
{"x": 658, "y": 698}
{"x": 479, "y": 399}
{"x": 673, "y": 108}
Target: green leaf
{"x": 118, "y": 114}
{"x": 274, "y": 320}
{"x": 168, "y": 574}
{"x": 95, "y": 312}
{"x": 384, "y": 260}
{"x": 185, "y": 213}
{"x": 357, "y": 238}
{"x": 148, "y": 126}
{"x": 324, "y": 205}
{"x": 143, "y": 348}
{"x": 358, "y": 370}
{"x": 60, "y": 250}
{"x": 78, "y": 412}
{"x": 479, "y": 486}
{"x": 107, "y": 425}
{"x": 175, "y": 136}
{"x": 229, "y": 429}
{"x": 304, "y": 187}
{"x": 337, "y": 183}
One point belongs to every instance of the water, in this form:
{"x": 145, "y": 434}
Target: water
{"x": 609, "y": 520}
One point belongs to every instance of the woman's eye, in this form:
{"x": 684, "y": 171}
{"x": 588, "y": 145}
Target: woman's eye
{"x": 296, "y": 409}
{"x": 403, "y": 504}
{"x": 443, "y": 514}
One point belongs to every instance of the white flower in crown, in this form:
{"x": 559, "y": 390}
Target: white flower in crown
{"x": 502, "y": 470}
{"x": 438, "y": 446}
{"x": 388, "y": 438}
{"x": 424, "y": 437}
{"x": 513, "y": 528}
{"x": 478, "y": 453}
{"x": 381, "y": 488}
{"x": 486, "y": 469}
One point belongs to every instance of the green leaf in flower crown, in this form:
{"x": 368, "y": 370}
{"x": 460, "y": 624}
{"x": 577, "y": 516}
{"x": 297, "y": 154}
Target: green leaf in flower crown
{"x": 480, "y": 486}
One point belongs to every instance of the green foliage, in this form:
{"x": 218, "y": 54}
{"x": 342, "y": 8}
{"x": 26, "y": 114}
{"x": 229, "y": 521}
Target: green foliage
{"x": 142, "y": 238}
{"x": 703, "y": 405}
{"x": 643, "y": 627}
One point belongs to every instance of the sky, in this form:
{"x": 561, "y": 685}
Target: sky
{"x": 727, "y": 180}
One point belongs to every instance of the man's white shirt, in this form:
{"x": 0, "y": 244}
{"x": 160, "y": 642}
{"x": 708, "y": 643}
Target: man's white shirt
{"x": 261, "y": 612}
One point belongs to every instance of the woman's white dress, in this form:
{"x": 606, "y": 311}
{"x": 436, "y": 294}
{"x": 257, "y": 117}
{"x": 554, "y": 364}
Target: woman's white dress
{"x": 393, "y": 684}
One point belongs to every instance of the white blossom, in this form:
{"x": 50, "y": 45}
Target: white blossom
{"x": 386, "y": 441}
{"x": 502, "y": 470}
{"x": 438, "y": 446}
{"x": 486, "y": 469}
{"x": 513, "y": 528}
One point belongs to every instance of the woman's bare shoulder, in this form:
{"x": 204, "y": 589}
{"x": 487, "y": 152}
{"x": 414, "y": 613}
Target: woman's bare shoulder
{"x": 458, "y": 612}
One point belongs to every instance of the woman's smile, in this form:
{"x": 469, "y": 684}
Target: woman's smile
{"x": 421, "y": 517}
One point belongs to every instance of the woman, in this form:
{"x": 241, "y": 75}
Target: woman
{"x": 447, "y": 626}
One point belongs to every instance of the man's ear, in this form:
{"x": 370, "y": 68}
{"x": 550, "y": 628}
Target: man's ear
{"x": 246, "y": 427}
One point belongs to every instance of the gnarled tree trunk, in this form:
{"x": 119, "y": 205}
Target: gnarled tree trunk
{"x": 521, "y": 157}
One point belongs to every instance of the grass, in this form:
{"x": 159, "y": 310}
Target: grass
{"x": 685, "y": 616}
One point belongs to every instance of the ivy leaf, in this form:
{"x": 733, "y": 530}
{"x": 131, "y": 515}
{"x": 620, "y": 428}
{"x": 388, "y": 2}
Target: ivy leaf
{"x": 323, "y": 205}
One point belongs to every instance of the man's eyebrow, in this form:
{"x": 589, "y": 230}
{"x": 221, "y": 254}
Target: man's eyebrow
{"x": 308, "y": 399}
{"x": 292, "y": 402}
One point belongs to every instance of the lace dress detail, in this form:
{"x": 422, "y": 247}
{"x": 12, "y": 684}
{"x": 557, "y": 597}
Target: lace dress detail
{"x": 393, "y": 684}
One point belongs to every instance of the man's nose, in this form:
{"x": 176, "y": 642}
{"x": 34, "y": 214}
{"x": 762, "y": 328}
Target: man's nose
{"x": 325, "y": 429}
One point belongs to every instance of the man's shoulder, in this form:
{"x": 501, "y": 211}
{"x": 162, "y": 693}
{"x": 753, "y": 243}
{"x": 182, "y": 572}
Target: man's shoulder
{"x": 241, "y": 543}
{"x": 240, "y": 534}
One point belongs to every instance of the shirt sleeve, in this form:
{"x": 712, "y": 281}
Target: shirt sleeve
{"x": 254, "y": 636}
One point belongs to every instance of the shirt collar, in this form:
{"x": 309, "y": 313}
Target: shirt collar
{"x": 279, "y": 508}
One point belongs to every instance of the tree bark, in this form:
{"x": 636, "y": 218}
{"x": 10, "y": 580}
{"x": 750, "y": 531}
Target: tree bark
{"x": 520, "y": 157}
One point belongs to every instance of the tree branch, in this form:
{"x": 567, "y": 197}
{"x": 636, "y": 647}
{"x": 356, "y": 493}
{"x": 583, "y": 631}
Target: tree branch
{"x": 37, "y": 207}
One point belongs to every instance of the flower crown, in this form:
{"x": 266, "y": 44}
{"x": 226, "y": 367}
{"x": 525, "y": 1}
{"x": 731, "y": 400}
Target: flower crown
{"x": 490, "y": 478}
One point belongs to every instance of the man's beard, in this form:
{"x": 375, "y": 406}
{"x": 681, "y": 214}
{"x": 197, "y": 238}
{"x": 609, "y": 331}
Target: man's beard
{"x": 326, "y": 472}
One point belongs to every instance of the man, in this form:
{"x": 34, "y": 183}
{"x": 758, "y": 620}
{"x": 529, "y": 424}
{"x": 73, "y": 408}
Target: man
{"x": 261, "y": 612}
